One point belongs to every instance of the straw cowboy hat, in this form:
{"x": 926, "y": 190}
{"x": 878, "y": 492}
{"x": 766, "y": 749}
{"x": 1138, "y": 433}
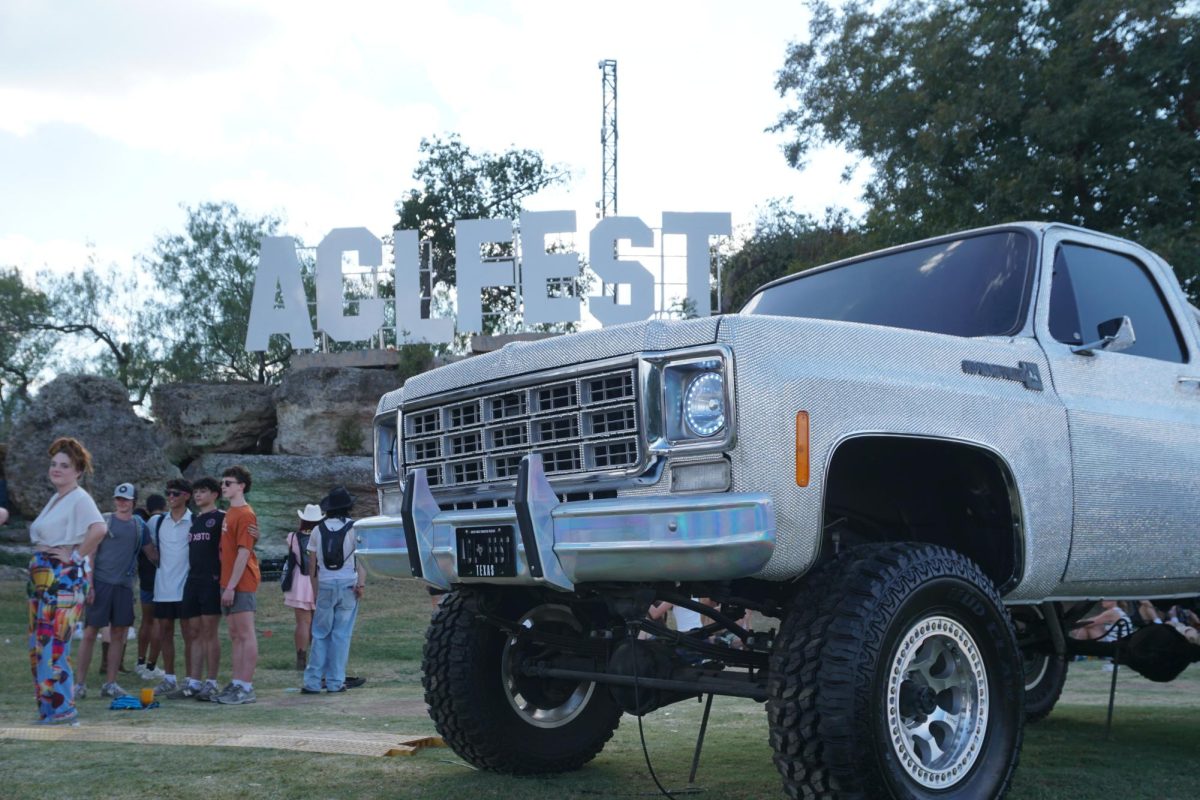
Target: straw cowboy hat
{"x": 311, "y": 513}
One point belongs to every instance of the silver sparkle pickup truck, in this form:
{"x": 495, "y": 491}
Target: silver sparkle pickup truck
{"x": 892, "y": 486}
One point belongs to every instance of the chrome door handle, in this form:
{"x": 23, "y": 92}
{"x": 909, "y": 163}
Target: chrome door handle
{"x": 1190, "y": 380}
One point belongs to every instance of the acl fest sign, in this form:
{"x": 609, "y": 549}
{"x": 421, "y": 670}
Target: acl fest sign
{"x": 280, "y": 305}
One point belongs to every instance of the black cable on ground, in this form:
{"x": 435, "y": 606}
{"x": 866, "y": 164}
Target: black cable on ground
{"x": 637, "y": 704}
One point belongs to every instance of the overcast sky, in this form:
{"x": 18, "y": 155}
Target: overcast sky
{"x": 114, "y": 114}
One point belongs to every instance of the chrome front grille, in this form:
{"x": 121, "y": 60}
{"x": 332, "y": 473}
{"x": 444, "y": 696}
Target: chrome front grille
{"x": 583, "y": 424}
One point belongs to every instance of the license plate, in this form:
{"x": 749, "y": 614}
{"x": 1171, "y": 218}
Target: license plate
{"x": 487, "y": 551}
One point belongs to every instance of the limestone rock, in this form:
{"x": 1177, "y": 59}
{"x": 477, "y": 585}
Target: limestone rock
{"x": 280, "y": 485}
{"x": 326, "y": 411}
{"x": 196, "y": 418}
{"x": 96, "y": 411}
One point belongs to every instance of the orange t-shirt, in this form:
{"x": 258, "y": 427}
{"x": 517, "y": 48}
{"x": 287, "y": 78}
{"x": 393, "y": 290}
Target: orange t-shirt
{"x": 240, "y": 529}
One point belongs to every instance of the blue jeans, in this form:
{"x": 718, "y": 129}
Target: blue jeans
{"x": 333, "y": 623}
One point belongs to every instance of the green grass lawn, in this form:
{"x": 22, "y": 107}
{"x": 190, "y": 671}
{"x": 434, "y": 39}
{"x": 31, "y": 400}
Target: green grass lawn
{"x": 1154, "y": 743}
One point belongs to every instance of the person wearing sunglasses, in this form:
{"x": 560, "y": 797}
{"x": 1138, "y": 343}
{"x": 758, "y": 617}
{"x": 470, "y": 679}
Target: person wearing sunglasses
{"x": 171, "y": 532}
{"x": 239, "y": 583}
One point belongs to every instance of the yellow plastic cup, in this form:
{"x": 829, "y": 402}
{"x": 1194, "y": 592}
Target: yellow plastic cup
{"x": 147, "y": 696}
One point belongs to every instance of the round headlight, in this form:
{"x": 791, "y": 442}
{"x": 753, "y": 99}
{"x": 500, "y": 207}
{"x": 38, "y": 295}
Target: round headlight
{"x": 704, "y": 404}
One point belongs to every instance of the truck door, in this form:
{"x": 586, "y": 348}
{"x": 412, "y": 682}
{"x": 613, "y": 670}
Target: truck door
{"x": 1133, "y": 415}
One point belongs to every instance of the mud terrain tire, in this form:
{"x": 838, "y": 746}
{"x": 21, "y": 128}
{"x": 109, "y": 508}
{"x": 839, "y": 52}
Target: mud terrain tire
{"x": 495, "y": 719}
{"x": 1045, "y": 673}
{"x": 897, "y": 675}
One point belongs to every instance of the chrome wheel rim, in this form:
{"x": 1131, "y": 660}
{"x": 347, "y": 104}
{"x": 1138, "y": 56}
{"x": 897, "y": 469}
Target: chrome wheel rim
{"x": 1035, "y": 667}
{"x": 568, "y": 702}
{"x": 937, "y": 703}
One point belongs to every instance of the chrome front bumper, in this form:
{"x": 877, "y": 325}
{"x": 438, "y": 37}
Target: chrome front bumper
{"x": 656, "y": 538}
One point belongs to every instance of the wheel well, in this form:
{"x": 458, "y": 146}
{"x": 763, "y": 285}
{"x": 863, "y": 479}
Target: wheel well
{"x": 958, "y": 495}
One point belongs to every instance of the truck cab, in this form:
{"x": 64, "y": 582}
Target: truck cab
{"x": 895, "y": 456}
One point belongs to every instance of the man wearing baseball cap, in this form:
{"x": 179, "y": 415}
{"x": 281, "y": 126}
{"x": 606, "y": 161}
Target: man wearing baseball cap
{"x": 170, "y": 532}
{"x": 110, "y": 597}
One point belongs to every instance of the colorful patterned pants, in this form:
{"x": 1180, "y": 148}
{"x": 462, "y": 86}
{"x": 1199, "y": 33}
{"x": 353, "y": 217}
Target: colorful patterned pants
{"x": 56, "y": 593}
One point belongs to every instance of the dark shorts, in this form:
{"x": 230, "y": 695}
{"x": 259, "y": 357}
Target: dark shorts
{"x": 113, "y": 605}
{"x": 242, "y": 601}
{"x": 146, "y": 596}
{"x": 168, "y": 610}
{"x": 201, "y": 597}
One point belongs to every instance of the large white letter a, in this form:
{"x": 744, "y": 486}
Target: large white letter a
{"x": 278, "y": 268}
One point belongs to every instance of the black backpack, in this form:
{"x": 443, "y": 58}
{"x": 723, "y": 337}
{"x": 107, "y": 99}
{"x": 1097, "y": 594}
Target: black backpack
{"x": 333, "y": 546}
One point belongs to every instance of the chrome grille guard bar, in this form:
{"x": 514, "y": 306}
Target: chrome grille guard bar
{"x": 716, "y": 536}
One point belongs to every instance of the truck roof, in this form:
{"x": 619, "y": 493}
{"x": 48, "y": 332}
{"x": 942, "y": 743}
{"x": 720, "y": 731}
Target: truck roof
{"x": 1035, "y": 227}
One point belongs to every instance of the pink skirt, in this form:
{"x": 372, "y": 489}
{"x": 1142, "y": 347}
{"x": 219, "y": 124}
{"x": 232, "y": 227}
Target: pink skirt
{"x": 301, "y": 594}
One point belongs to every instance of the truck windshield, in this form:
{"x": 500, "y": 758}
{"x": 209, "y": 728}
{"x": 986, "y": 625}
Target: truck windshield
{"x": 973, "y": 286}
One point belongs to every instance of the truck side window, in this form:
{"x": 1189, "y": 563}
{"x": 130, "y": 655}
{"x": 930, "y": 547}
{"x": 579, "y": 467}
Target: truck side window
{"x": 1091, "y": 286}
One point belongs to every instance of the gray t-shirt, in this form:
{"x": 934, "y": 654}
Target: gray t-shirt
{"x": 115, "y": 556}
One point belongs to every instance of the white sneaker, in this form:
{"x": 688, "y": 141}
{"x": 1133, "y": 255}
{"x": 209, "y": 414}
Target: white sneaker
{"x": 166, "y": 687}
{"x": 142, "y": 672}
{"x": 112, "y": 690}
{"x": 80, "y": 691}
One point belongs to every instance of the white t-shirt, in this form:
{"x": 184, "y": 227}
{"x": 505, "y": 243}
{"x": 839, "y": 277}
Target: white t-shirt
{"x": 64, "y": 520}
{"x": 686, "y": 619}
{"x": 347, "y": 571}
{"x": 1120, "y": 628}
{"x": 172, "y": 556}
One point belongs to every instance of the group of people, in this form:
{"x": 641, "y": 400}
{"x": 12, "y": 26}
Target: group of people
{"x": 192, "y": 562}
{"x": 84, "y": 564}
{"x": 1117, "y": 619}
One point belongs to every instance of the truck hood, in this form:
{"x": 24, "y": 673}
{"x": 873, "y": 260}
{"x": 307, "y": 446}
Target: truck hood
{"x": 519, "y": 358}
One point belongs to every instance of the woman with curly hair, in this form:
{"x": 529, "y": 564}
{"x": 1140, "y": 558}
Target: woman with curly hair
{"x": 64, "y": 536}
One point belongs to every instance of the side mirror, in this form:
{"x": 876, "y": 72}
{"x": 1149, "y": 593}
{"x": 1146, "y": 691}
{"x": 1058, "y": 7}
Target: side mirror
{"x": 1115, "y": 335}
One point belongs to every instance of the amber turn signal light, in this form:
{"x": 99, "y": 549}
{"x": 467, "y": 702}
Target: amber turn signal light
{"x": 802, "y": 448}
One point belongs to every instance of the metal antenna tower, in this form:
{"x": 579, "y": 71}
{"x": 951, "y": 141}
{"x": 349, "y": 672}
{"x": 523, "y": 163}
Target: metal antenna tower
{"x": 608, "y": 139}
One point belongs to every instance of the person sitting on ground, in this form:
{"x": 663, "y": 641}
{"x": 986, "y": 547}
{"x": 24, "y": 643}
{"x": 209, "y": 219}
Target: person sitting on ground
{"x": 1110, "y": 624}
{"x": 1182, "y": 619}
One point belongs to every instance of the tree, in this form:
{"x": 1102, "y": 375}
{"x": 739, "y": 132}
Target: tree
{"x": 973, "y": 112}
{"x": 456, "y": 183}
{"x": 25, "y": 345}
{"x": 100, "y": 306}
{"x": 207, "y": 273}
{"x": 785, "y": 241}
